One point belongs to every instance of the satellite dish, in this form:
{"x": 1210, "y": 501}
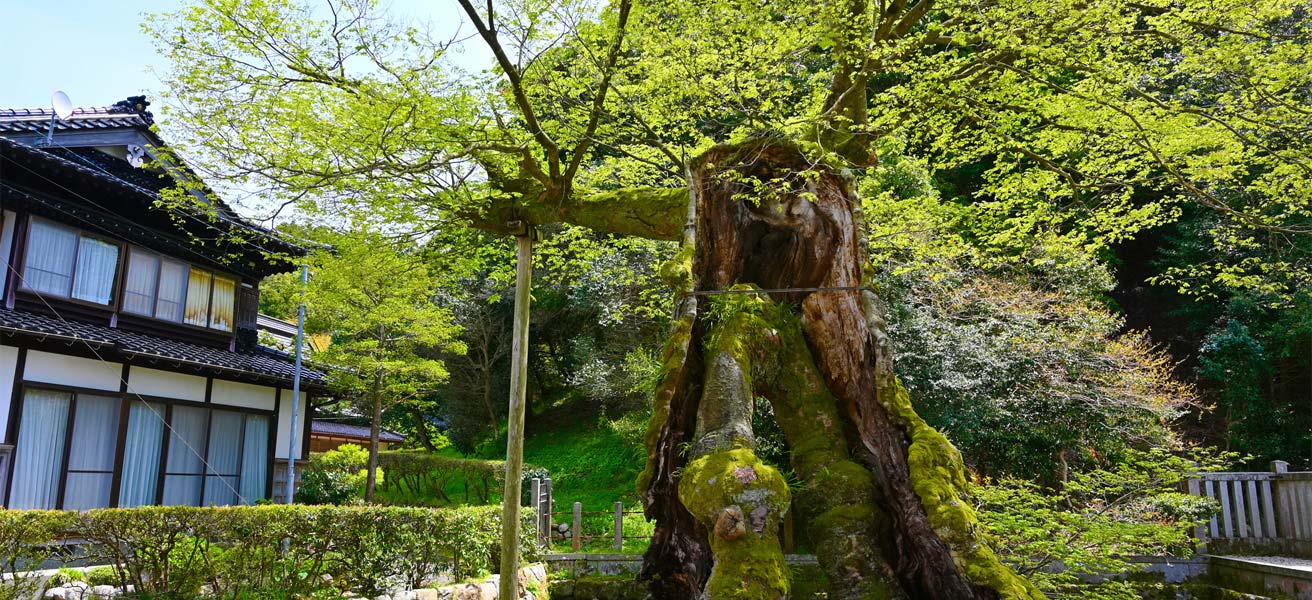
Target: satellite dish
{"x": 63, "y": 106}
{"x": 136, "y": 155}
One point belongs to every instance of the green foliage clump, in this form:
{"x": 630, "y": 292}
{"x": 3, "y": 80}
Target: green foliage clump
{"x": 336, "y": 476}
{"x": 1008, "y": 346}
{"x": 1096, "y": 521}
{"x": 417, "y": 474}
{"x": 259, "y": 551}
{"x": 26, "y": 538}
{"x": 65, "y": 576}
{"x": 102, "y": 576}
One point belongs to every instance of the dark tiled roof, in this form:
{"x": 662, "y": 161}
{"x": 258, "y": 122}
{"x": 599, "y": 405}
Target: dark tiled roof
{"x": 37, "y": 120}
{"x": 147, "y": 180}
{"x": 259, "y": 362}
{"x": 333, "y": 428}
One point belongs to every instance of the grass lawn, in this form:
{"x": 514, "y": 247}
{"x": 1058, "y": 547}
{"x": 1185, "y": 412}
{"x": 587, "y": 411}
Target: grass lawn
{"x": 591, "y": 460}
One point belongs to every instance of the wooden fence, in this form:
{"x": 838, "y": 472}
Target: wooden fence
{"x": 540, "y": 498}
{"x": 1262, "y": 512}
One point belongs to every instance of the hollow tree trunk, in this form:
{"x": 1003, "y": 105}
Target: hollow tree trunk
{"x": 880, "y": 498}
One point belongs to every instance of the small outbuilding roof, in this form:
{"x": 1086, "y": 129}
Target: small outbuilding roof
{"x": 325, "y": 427}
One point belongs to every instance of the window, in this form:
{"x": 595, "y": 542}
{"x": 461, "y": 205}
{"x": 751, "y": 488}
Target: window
{"x": 62, "y": 261}
{"x": 236, "y": 447}
{"x": 68, "y": 441}
{"x": 173, "y": 291}
{"x": 46, "y": 443}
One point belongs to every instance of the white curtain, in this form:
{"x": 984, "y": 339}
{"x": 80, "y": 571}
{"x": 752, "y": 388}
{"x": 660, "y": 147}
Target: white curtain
{"x": 145, "y": 437}
{"x": 97, "y": 264}
{"x": 198, "y": 297}
{"x": 255, "y": 459}
{"x": 221, "y": 310}
{"x": 139, "y": 291}
{"x": 224, "y": 458}
{"x": 184, "y": 469}
{"x": 172, "y": 290}
{"x": 91, "y": 455}
{"x": 48, "y": 268}
{"x": 40, "y": 449}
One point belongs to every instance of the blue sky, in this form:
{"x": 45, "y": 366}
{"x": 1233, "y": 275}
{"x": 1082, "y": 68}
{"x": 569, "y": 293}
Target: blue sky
{"x": 95, "y": 52}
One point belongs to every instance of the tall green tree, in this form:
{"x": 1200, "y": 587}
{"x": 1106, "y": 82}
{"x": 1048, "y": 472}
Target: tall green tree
{"x": 375, "y": 299}
{"x": 736, "y": 130}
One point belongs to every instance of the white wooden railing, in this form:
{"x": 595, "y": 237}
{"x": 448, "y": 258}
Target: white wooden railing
{"x": 1260, "y": 511}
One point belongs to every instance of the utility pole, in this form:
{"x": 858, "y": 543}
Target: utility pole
{"x": 296, "y": 387}
{"x": 524, "y": 236}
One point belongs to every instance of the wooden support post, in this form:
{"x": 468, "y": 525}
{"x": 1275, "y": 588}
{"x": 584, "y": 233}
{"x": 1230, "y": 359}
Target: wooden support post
{"x": 509, "y": 585}
{"x": 619, "y": 526}
{"x": 577, "y": 532}
{"x": 535, "y": 500}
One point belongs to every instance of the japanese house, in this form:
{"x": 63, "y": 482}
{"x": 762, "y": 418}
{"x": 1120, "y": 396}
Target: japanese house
{"x": 130, "y": 371}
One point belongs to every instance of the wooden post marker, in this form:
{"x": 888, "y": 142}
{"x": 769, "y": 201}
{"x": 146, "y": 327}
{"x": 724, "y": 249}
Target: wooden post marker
{"x": 619, "y": 526}
{"x": 509, "y": 584}
{"x": 577, "y": 531}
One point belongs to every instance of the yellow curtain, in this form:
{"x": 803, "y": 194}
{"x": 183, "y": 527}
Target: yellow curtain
{"x": 221, "y": 311}
{"x": 198, "y": 297}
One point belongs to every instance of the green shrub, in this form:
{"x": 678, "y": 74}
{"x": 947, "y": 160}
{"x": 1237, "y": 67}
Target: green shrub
{"x": 423, "y": 474}
{"x": 274, "y": 551}
{"x": 25, "y": 542}
{"x": 336, "y": 476}
{"x": 1097, "y": 521}
{"x": 103, "y": 576}
{"x": 65, "y": 576}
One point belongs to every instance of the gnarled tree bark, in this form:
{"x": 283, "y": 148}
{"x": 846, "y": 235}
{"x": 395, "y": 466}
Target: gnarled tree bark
{"x": 881, "y": 489}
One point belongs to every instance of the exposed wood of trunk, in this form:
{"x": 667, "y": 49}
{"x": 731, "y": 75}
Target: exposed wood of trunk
{"x": 678, "y": 561}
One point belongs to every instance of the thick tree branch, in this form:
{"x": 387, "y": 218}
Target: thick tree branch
{"x": 517, "y": 91}
{"x": 652, "y": 213}
{"x": 599, "y": 102}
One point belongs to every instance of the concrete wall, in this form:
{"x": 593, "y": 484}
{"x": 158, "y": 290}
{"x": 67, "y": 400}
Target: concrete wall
{"x": 232, "y": 393}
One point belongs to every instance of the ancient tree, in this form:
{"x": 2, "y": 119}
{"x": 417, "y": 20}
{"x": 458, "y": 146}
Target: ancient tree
{"x": 1071, "y": 107}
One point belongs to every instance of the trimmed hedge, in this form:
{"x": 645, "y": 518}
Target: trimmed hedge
{"x": 252, "y": 551}
{"x": 421, "y": 474}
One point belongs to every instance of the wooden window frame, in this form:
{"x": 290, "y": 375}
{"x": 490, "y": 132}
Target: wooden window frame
{"x": 120, "y": 267}
{"x": 120, "y": 443}
{"x": 186, "y": 291}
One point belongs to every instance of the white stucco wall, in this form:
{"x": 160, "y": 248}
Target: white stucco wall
{"x": 8, "y": 362}
{"x": 177, "y": 386}
{"x": 233, "y": 393}
{"x": 61, "y": 369}
{"x": 284, "y": 425}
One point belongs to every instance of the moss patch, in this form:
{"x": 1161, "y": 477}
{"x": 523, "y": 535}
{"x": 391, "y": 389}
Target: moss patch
{"x": 938, "y": 476}
{"x": 734, "y": 484}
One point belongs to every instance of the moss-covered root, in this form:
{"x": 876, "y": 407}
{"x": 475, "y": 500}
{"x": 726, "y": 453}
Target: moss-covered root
{"x": 938, "y": 476}
{"x": 840, "y": 517}
{"x": 741, "y": 501}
